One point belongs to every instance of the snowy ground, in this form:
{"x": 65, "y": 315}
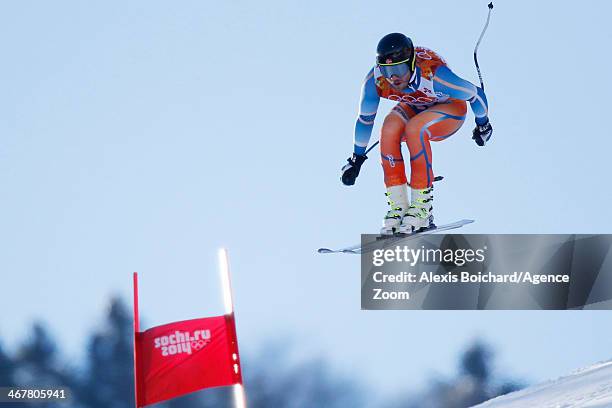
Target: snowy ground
{"x": 589, "y": 387}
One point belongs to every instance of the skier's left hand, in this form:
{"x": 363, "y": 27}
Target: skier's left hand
{"x": 482, "y": 133}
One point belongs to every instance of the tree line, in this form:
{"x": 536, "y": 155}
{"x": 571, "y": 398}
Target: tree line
{"x": 105, "y": 378}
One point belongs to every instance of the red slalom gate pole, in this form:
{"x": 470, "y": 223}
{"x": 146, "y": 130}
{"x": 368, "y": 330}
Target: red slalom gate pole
{"x": 136, "y": 331}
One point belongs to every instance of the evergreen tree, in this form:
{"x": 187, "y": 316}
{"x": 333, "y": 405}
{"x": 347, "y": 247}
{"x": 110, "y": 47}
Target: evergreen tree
{"x": 7, "y": 369}
{"x": 109, "y": 372}
{"x": 474, "y": 384}
{"x": 38, "y": 365}
{"x": 272, "y": 381}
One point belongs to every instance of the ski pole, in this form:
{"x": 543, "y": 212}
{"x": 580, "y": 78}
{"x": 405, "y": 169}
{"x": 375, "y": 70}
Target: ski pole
{"x": 475, "y": 61}
{"x": 478, "y": 43}
{"x": 371, "y": 147}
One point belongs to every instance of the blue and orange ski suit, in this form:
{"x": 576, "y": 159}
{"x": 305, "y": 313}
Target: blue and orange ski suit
{"x": 432, "y": 108}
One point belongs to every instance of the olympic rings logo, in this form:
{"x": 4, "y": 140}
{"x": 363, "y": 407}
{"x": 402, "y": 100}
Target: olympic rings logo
{"x": 409, "y": 99}
{"x": 424, "y": 55}
{"x": 197, "y": 345}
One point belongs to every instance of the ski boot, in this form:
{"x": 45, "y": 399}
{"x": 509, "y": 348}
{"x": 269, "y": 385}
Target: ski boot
{"x": 419, "y": 216}
{"x": 397, "y": 198}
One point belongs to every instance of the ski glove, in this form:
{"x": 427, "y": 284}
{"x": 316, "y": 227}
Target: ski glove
{"x": 482, "y": 133}
{"x": 350, "y": 171}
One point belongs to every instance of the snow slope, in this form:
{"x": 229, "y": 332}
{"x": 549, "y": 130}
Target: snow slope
{"x": 589, "y": 388}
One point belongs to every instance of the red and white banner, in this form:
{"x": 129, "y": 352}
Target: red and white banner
{"x": 182, "y": 357}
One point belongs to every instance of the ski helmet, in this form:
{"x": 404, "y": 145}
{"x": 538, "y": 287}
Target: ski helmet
{"x": 395, "y": 55}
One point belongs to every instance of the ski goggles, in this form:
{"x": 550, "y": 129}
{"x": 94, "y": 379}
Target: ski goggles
{"x": 400, "y": 69}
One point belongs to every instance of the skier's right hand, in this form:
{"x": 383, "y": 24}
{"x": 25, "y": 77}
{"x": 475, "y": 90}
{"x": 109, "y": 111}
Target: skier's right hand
{"x": 350, "y": 171}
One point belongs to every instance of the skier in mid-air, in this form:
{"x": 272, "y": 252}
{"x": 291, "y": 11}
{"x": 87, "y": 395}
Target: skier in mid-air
{"x": 431, "y": 107}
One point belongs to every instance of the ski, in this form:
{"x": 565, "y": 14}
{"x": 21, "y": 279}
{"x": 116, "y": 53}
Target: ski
{"x": 391, "y": 239}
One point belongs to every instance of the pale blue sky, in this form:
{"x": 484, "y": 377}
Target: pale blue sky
{"x": 144, "y": 135}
